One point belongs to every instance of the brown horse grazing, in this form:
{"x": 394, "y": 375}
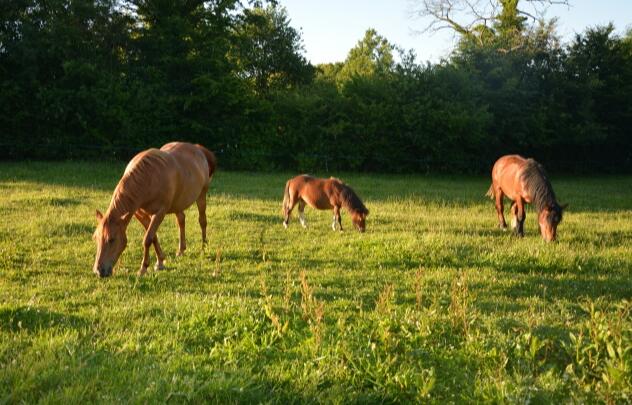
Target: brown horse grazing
{"x": 155, "y": 183}
{"x": 323, "y": 194}
{"x": 524, "y": 181}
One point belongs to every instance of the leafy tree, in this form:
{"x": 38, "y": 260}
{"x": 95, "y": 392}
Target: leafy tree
{"x": 328, "y": 71}
{"x": 110, "y": 77}
{"x": 60, "y": 64}
{"x": 268, "y": 51}
{"x": 601, "y": 63}
{"x": 180, "y": 78}
{"x": 372, "y": 55}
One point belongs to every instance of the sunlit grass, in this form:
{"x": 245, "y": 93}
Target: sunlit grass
{"x": 432, "y": 303}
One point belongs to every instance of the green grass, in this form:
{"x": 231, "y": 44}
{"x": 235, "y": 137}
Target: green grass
{"x": 433, "y": 303}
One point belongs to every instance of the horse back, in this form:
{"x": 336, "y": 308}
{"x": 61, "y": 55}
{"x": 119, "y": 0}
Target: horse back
{"x": 316, "y": 192}
{"x": 189, "y": 175}
{"x": 507, "y": 176}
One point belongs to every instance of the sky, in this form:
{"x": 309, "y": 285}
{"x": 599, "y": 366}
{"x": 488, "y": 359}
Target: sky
{"x": 330, "y": 28}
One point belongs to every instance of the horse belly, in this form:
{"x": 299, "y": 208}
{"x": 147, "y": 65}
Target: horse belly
{"x": 190, "y": 180}
{"x": 319, "y": 203}
{"x": 184, "y": 200}
{"x": 506, "y": 175}
{"x": 188, "y": 191}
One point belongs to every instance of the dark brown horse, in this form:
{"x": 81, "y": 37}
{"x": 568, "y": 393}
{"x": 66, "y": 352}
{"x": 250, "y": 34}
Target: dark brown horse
{"x": 323, "y": 194}
{"x": 525, "y": 181}
{"x": 156, "y": 182}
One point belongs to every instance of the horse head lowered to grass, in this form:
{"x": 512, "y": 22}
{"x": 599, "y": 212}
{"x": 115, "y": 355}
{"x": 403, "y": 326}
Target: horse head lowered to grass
{"x": 323, "y": 194}
{"x": 525, "y": 181}
{"x": 156, "y": 182}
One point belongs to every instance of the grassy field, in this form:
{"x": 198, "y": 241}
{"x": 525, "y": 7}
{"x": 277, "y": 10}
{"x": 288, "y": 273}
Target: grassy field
{"x": 433, "y": 303}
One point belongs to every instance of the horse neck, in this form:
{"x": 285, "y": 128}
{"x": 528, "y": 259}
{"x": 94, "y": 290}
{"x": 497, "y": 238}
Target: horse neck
{"x": 347, "y": 203}
{"x": 123, "y": 201}
{"x": 350, "y": 208}
{"x": 543, "y": 196}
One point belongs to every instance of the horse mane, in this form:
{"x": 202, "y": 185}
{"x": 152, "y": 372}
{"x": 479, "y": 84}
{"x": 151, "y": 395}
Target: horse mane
{"x": 538, "y": 186}
{"x": 350, "y": 199}
{"x": 138, "y": 173}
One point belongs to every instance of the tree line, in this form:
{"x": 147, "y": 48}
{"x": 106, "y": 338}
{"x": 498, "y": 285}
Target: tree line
{"x": 107, "y": 78}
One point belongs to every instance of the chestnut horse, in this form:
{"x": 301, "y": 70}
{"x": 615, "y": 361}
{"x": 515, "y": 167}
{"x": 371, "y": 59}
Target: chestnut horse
{"x": 525, "y": 181}
{"x": 323, "y": 194}
{"x": 156, "y": 182}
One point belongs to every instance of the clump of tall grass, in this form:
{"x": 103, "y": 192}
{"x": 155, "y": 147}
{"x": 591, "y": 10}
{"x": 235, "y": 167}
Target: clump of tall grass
{"x": 460, "y": 304}
{"x": 419, "y": 287}
{"x": 601, "y": 352}
{"x": 384, "y": 302}
{"x": 218, "y": 262}
{"x": 287, "y": 293}
{"x": 268, "y": 308}
{"x": 313, "y": 310}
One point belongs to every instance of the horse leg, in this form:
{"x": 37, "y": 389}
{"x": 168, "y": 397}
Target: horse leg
{"x": 144, "y": 219}
{"x": 500, "y": 208}
{"x": 301, "y": 213}
{"x": 514, "y": 215}
{"x": 148, "y": 240}
{"x": 201, "y": 204}
{"x": 287, "y": 211}
{"x": 337, "y": 218}
{"x": 521, "y": 216}
{"x": 182, "y": 241}
{"x": 340, "y": 220}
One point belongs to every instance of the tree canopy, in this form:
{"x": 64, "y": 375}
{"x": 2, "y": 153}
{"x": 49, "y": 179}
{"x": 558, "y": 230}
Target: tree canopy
{"x": 107, "y": 78}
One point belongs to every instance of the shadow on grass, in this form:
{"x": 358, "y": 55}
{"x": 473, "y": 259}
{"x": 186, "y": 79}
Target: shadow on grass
{"x": 70, "y": 229}
{"x": 602, "y": 239}
{"x": 573, "y": 289}
{"x": 457, "y": 191}
{"x": 76, "y": 372}
{"x": 34, "y": 319}
{"x": 93, "y": 175}
{"x": 254, "y": 217}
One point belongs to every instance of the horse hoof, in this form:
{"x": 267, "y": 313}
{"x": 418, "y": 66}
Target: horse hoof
{"x": 142, "y": 271}
{"x": 179, "y": 253}
{"x": 285, "y": 225}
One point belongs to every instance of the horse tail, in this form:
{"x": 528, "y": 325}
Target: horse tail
{"x": 490, "y": 193}
{"x": 210, "y": 158}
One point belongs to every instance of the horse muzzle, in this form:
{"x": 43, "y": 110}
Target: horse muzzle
{"x": 103, "y": 272}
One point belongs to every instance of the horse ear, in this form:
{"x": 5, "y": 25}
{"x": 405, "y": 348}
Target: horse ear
{"x": 99, "y": 216}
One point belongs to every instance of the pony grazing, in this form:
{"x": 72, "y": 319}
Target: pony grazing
{"x": 323, "y": 194}
{"x": 524, "y": 181}
{"x": 156, "y": 182}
